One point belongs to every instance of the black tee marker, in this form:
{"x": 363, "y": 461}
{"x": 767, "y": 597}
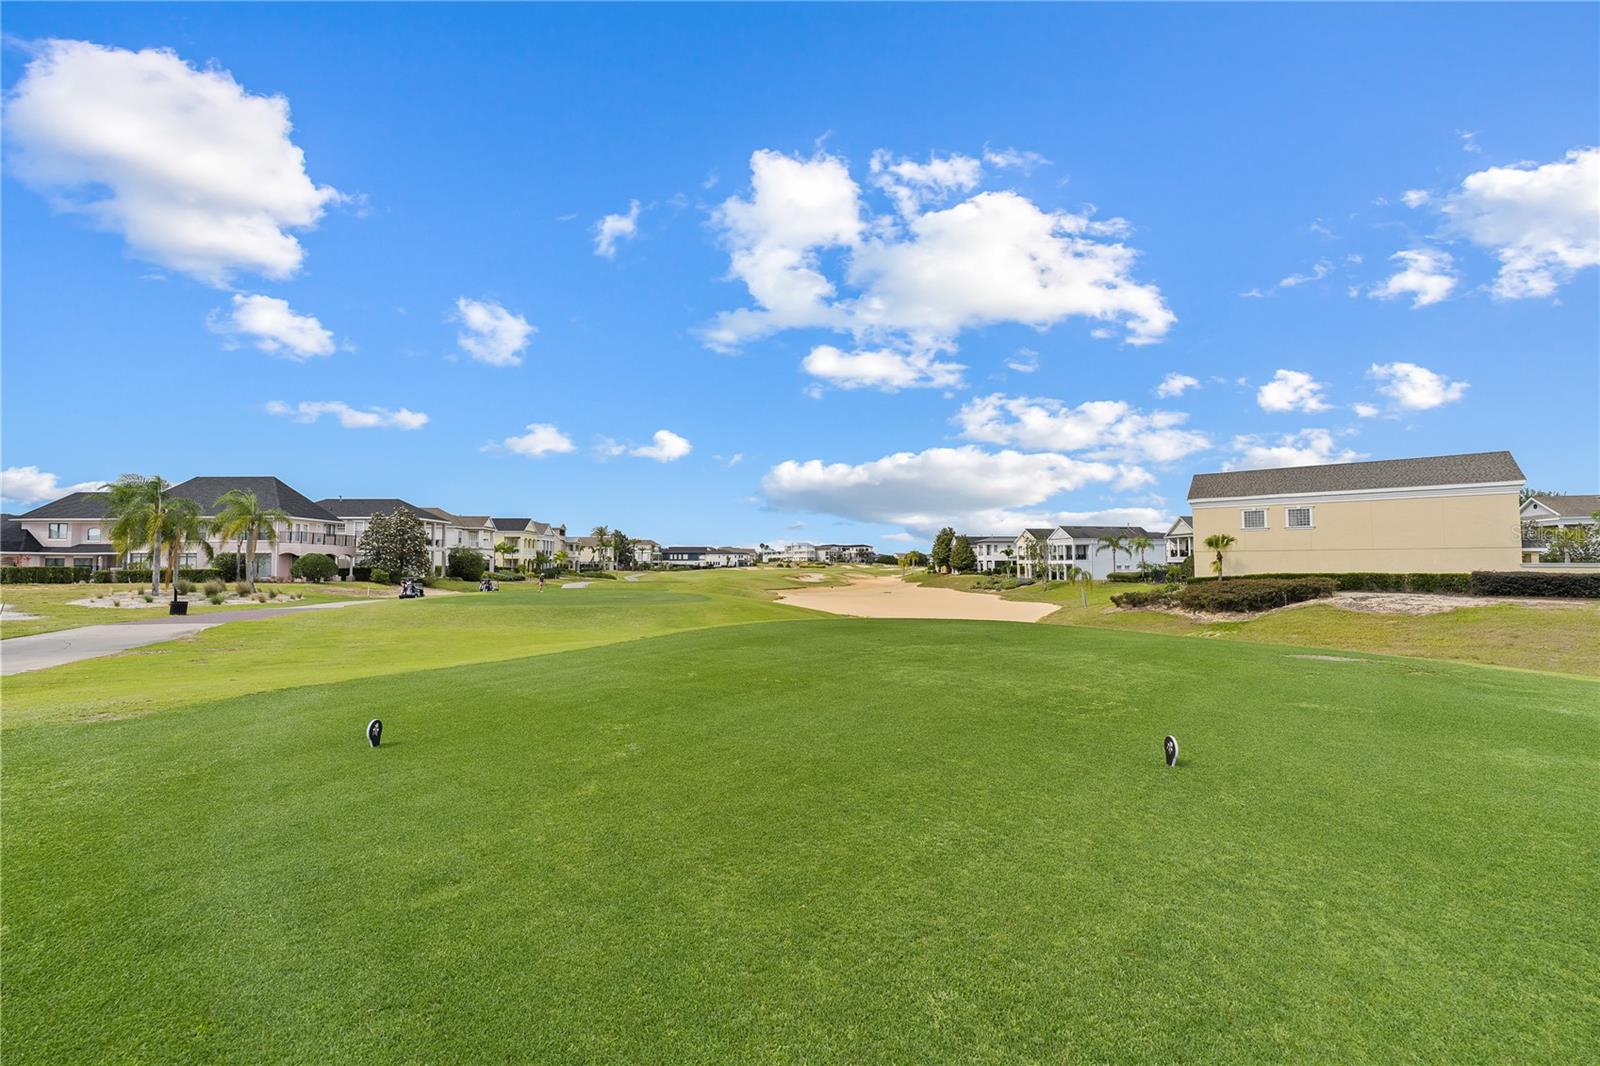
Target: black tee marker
{"x": 375, "y": 731}
{"x": 1170, "y": 746}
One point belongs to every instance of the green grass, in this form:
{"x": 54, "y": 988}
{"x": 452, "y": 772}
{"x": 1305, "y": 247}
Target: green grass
{"x": 809, "y": 840}
{"x": 1556, "y": 637}
{"x": 54, "y": 610}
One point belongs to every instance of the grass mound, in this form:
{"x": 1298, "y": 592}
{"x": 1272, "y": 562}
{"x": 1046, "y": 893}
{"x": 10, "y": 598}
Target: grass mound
{"x": 824, "y": 840}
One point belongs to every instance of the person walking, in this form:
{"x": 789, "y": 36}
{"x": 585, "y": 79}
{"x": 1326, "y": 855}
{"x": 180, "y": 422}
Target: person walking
{"x": 541, "y": 582}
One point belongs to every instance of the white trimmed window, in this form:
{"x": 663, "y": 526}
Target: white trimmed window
{"x": 1253, "y": 518}
{"x": 1297, "y": 517}
{"x": 138, "y": 560}
{"x": 58, "y": 531}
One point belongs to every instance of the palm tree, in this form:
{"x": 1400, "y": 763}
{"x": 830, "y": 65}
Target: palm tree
{"x": 602, "y": 541}
{"x": 1083, "y": 579}
{"x": 1219, "y": 543}
{"x": 1010, "y": 562}
{"x": 184, "y": 528}
{"x": 239, "y": 514}
{"x": 561, "y": 558}
{"x": 508, "y": 548}
{"x": 139, "y": 509}
{"x": 1116, "y": 544}
{"x": 1140, "y": 544}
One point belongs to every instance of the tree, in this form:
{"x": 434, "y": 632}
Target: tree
{"x": 1219, "y": 543}
{"x": 184, "y": 528}
{"x": 240, "y": 514}
{"x": 396, "y": 543}
{"x": 561, "y": 560}
{"x": 508, "y": 548}
{"x": 138, "y": 506}
{"x": 1035, "y": 553}
{"x": 315, "y": 567}
{"x": 541, "y": 561}
{"x": 621, "y": 548}
{"x": 962, "y": 558}
{"x": 602, "y": 544}
{"x": 465, "y": 563}
{"x": 1114, "y": 544}
{"x": 1011, "y": 563}
{"x": 941, "y": 548}
{"x": 1140, "y": 544}
{"x": 1571, "y": 541}
{"x": 1083, "y": 579}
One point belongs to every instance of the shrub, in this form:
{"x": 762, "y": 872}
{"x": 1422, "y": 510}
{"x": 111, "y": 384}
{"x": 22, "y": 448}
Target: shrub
{"x": 229, "y": 565}
{"x": 185, "y": 586}
{"x": 40, "y": 575}
{"x": 241, "y": 588}
{"x": 1166, "y": 596}
{"x": 1127, "y": 578}
{"x": 315, "y": 567}
{"x": 147, "y": 597}
{"x": 1535, "y": 583}
{"x": 216, "y": 598}
{"x": 381, "y": 576}
{"x": 261, "y": 597}
{"x": 1372, "y": 582}
{"x": 466, "y": 564}
{"x": 215, "y": 587}
{"x": 1252, "y": 594}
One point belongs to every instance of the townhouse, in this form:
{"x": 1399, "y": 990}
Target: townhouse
{"x": 1543, "y": 516}
{"x": 356, "y": 514}
{"x": 1180, "y": 539}
{"x": 846, "y": 553}
{"x": 798, "y": 552}
{"x": 536, "y": 543}
{"x": 1433, "y": 514}
{"x": 994, "y": 553}
{"x": 1055, "y": 551}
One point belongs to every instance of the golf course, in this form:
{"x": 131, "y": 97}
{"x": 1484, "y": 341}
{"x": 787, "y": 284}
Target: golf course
{"x": 675, "y": 820}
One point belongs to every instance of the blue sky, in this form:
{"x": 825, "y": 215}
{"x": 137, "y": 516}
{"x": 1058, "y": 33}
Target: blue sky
{"x": 890, "y": 266}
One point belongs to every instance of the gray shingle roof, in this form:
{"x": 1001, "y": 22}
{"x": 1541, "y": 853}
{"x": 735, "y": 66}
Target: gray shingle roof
{"x": 512, "y": 525}
{"x": 366, "y": 507}
{"x": 1473, "y": 469}
{"x": 1040, "y": 534}
{"x": 272, "y": 492}
{"x": 1096, "y": 532}
{"x": 14, "y": 540}
{"x": 1571, "y": 506}
{"x": 72, "y": 505}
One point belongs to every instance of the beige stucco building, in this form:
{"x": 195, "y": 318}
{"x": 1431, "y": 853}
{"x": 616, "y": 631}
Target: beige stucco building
{"x": 1440, "y": 514}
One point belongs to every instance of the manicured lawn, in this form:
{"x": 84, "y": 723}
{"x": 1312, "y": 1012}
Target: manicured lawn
{"x": 52, "y": 604}
{"x": 818, "y": 840}
{"x": 1558, "y": 637}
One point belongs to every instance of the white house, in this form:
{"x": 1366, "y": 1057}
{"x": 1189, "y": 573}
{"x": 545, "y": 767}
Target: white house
{"x": 1180, "y": 539}
{"x": 356, "y": 513}
{"x": 798, "y": 552}
{"x": 1080, "y": 547}
{"x": 994, "y": 553}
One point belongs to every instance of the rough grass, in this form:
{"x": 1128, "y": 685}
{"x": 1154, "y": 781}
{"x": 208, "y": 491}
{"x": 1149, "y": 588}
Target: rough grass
{"x": 828, "y": 840}
{"x": 1557, "y": 637}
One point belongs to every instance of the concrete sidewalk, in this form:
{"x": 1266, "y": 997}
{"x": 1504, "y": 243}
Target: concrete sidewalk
{"x": 22, "y": 654}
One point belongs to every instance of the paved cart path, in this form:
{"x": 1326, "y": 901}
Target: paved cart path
{"x": 22, "y": 654}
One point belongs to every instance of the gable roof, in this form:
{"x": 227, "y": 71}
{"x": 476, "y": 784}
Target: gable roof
{"x": 14, "y": 540}
{"x": 1185, "y": 519}
{"x": 72, "y": 505}
{"x": 1476, "y": 468}
{"x": 1569, "y": 506}
{"x": 513, "y": 525}
{"x": 1096, "y": 532}
{"x": 272, "y": 492}
{"x": 367, "y": 506}
{"x": 1040, "y": 534}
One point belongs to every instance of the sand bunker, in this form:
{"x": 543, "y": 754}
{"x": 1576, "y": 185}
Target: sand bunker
{"x": 889, "y": 597}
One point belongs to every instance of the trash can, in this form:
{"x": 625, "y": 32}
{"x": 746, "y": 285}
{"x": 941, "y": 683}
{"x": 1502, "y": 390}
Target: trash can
{"x": 178, "y": 607}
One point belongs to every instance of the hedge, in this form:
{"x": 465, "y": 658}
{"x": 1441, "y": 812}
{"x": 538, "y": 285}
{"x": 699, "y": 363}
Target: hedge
{"x": 1166, "y": 596}
{"x": 1534, "y": 583}
{"x": 70, "y": 575}
{"x": 1253, "y": 594}
{"x": 1369, "y": 582}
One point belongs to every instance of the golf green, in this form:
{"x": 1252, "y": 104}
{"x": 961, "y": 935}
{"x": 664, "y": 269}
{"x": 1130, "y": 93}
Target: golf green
{"x": 821, "y": 840}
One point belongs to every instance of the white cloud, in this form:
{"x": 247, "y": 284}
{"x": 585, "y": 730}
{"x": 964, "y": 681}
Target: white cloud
{"x": 901, "y": 537}
{"x": 734, "y": 460}
{"x": 1026, "y": 361}
{"x": 1309, "y": 447}
{"x": 1364, "y": 410}
{"x": 1319, "y": 270}
{"x": 541, "y": 439}
{"x": 1009, "y": 158}
{"x": 1416, "y": 388}
{"x": 493, "y": 334}
{"x": 1542, "y": 222}
{"x": 1291, "y": 390}
{"x": 1415, "y": 197}
{"x": 29, "y": 484}
{"x": 912, "y": 185}
{"x": 995, "y": 257}
{"x": 972, "y": 488}
{"x": 1175, "y": 384}
{"x": 1107, "y": 429}
{"x": 273, "y": 327}
{"x": 349, "y": 417}
{"x": 1427, "y": 277}
{"x": 885, "y": 369}
{"x": 193, "y": 171}
{"x": 668, "y": 447}
{"x": 613, "y": 228}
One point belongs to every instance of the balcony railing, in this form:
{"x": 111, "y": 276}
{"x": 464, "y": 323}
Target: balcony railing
{"x": 299, "y": 536}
